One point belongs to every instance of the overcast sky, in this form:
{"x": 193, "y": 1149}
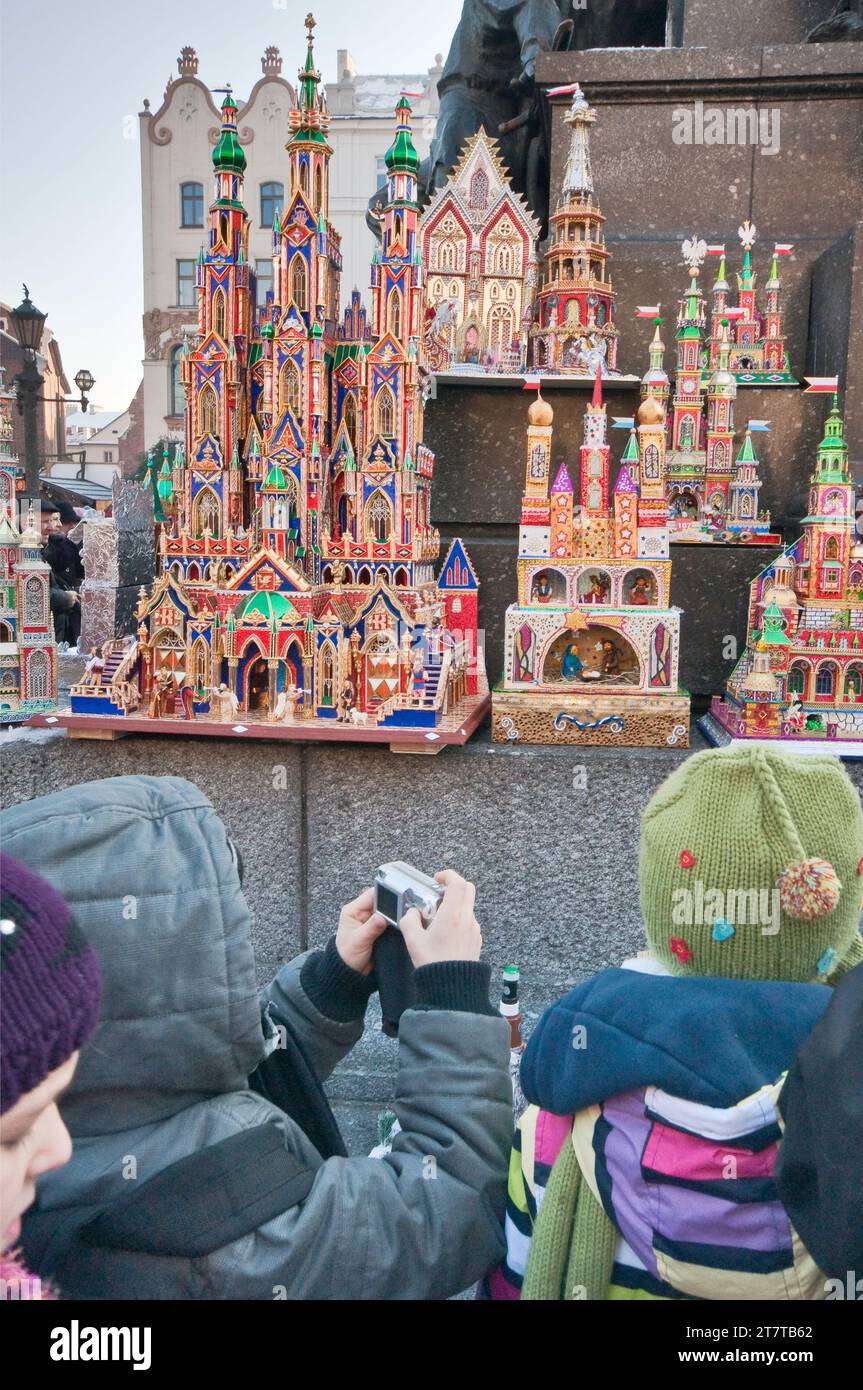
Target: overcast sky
{"x": 71, "y": 76}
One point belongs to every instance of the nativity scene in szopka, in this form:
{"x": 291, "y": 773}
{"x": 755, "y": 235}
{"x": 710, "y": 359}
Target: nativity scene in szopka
{"x": 297, "y": 557}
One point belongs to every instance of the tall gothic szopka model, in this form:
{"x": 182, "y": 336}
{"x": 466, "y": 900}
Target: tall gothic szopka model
{"x": 297, "y": 553}
{"x": 573, "y": 329}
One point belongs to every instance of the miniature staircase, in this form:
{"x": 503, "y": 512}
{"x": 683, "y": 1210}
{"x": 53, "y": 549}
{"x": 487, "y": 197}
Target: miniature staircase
{"x": 112, "y": 665}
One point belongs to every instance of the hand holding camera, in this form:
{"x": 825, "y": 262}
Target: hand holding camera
{"x": 360, "y": 925}
{"x": 452, "y": 933}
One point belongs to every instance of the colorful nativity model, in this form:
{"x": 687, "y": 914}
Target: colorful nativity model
{"x": 28, "y": 653}
{"x": 493, "y": 305}
{"x": 800, "y": 679}
{"x": 592, "y": 644}
{"x": 298, "y": 595}
{"x": 711, "y": 496}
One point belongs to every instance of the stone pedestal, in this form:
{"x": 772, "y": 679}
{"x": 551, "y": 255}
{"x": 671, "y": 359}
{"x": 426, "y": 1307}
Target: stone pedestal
{"x": 119, "y": 556}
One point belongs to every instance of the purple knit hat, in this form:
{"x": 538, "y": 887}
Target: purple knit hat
{"x": 50, "y": 984}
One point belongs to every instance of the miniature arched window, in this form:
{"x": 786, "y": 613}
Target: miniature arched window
{"x": 395, "y": 314}
{"x": 453, "y": 289}
{"x": 206, "y": 513}
{"x": 500, "y": 329}
{"x": 397, "y": 227}
{"x": 797, "y": 679}
{"x": 5, "y": 632}
{"x": 495, "y": 290}
{"x": 193, "y": 572}
{"x": 572, "y": 313}
{"x": 5, "y": 491}
{"x": 686, "y": 438}
{"x": 219, "y": 313}
{"x": 401, "y": 576}
{"x": 831, "y": 549}
{"x": 209, "y": 410}
{"x": 291, "y": 387}
{"x": 350, "y": 418}
{"x": 854, "y": 683}
{"x": 304, "y": 176}
{"x": 224, "y": 233}
{"x": 446, "y": 256}
{"x": 825, "y": 679}
{"x": 479, "y": 189}
{"x": 720, "y": 453}
{"x": 176, "y": 394}
{"x": 386, "y": 412}
{"x": 299, "y": 282}
{"x": 651, "y": 461}
{"x": 601, "y": 315}
{"x": 504, "y": 260}
{"x": 38, "y": 675}
{"x": 538, "y": 463}
{"x": 319, "y": 189}
{"x": 379, "y": 517}
{"x": 35, "y": 591}
{"x": 327, "y": 676}
{"x": 8, "y": 681}
{"x": 747, "y": 505}
{"x": 199, "y": 664}
{"x": 365, "y": 576}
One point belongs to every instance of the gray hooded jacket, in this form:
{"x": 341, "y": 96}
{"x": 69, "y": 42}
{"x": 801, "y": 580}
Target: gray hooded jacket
{"x": 149, "y": 871}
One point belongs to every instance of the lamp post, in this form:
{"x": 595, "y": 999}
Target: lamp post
{"x": 29, "y": 324}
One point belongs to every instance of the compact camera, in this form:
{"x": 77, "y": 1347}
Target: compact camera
{"x": 399, "y": 887}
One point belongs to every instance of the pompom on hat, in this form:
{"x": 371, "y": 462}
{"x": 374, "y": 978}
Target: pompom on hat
{"x": 751, "y": 867}
{"x": 50, "y": 983}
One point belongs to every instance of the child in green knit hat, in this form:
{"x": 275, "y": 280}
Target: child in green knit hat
{"x": 647, "y": 1156}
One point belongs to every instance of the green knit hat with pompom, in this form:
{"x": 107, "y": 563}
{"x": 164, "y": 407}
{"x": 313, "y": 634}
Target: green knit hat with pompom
{"x": 751, "y": 867}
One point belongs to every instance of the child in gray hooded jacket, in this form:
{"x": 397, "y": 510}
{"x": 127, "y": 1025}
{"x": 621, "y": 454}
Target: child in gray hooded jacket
{"x": 151, "y": 874}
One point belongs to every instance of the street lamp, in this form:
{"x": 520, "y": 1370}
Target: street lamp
{"x": 29, "y": 323}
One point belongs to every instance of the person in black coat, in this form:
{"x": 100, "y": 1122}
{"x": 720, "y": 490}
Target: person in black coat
{"x": 819, "y": 1173}
{"x": 65, "y": 603}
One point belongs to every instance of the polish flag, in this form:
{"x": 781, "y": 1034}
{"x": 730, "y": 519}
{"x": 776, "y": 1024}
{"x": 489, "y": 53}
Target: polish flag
{"x": 411, "y": 94}
{"x": 646, "y": 311}
{"x": 783, "y": 248}
{"x": 734, "y": 313}
{"x": 716, "y": 250}
{"x": 563, "y": 91}
{"x": 821, "y": 383}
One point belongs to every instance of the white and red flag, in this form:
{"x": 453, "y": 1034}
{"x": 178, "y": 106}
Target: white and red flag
{"x": 717, "y": 250}
{"x": 783, "y": 248}
{"x": 821, "y": 383}
{"x": 646, "y": 311}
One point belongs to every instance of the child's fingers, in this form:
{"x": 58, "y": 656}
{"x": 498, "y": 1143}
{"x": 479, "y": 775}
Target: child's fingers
{"x": 363, "y": 904}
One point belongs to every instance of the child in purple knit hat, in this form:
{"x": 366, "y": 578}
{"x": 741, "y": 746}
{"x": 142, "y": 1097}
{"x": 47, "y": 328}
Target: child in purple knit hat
{"x": 49, "y": 1005}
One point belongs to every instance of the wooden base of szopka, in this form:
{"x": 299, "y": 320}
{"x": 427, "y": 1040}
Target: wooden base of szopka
{"x": 452, "y": 730}
{"x": 635, "y": 721}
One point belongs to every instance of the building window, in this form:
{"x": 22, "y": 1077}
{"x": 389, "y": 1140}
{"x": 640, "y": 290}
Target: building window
{"x": 797, "y": 679}
{"x": 185, "y": 284}
{"x": 209, "y": 408}
{"x": 107, "y": 456}
{"x": 380, "y": 172}
{"x": 351, "y": 420}
{"x": 176, "y": 394}
{"x": 272, "y": 202}
{"x": 264, "y": 280}
{"x": 825, "y": 680}
{"x": 479, "y": 189}
{"x": 291, "y": 388}
{"x": 191, "y": 205}
{"x": 395, "y": 314}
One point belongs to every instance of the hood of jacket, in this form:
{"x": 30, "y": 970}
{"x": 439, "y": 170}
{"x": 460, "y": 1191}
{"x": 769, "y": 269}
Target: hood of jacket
{"x": 148, "y": 869}
{"x": 708, "y": 1040}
